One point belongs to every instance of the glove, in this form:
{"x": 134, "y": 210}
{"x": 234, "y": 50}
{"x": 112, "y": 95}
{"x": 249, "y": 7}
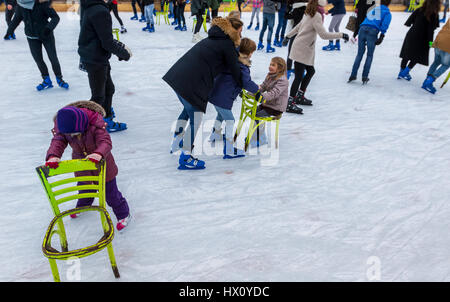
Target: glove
{"x": 380, "y": 39}
{"x": 285, "y": 41}
{"x": 345, "y": 37}
{"x": 53, "y": 162}
{"x": 94, "y": 157}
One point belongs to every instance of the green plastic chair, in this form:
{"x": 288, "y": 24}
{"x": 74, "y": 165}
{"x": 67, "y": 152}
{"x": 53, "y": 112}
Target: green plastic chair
{"x": 248, "y": 111}
{"x": 164, "y": 13}
{"x": 116, "y": 32}
{"x": 230, "y": 7}
{"x": 413, "y": 5}
{"x": 204, "y": 22}
{"x": 94, "y": 183}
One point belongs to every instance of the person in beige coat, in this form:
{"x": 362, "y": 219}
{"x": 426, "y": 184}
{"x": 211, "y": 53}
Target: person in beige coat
{"x": 304, "y": 48}
{"x": 441, "y": 61}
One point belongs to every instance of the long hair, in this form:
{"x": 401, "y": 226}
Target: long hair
{"x": 430, "y": 8}
{"x": 311, "y": 8}
{"x": 281, "y": 66}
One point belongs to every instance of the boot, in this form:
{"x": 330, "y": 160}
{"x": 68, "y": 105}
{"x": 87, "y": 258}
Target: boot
{"x": 135, "y": 17}
{"x": 404, "y": 74}
{"x": 292, "y": 107}
{"x": 428, "y": 84}
{"x": 178, "y": 27}
{"x": 183, "y": 28}
{"x": 365, "y": 81}
{"x": 142, "y": 19}
{"x": 112, "y": 126}
{"x": 337, "y": 46}
{"x": 250, "y": 26}
{"x": 188, "y": 162}
{"x": 351, "y": 79}
{"x": 147, "y": 28}
{"x": 123, "y": 29}
{"x": 47, "y": 83}
{"x": 123, "y": 223}
{"x": 269, "y": 48}
{"x": 329, "y": 47}
{"x": 257, "y": 27}
{"x": 260, "y": 45}
{"x": 290, "y": 72}
{"x": 62, "y": 83}
{"x": 152, "y": 28}
{"x": 301, "y": 100}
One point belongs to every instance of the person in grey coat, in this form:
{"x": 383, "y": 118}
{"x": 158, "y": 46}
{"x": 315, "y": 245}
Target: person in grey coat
{"x": 269, "y": 10}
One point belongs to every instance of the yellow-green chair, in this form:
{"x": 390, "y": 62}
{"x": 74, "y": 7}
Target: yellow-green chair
{"x": 95, "y": 184}
{"x": 116, "y": 32}
{"x": 204, "y": 22}
{"x": 230, "y": 7}
{"x": 248, "y": 111}
{"x": 413, "y": 5}
{"x": 164, "y": 13}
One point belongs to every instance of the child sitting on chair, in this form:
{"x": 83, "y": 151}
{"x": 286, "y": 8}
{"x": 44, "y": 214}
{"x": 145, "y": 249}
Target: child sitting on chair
{"x": 81, "y": 126}
{"x": 225, "y": 92}
{"x": 275, "y": 93}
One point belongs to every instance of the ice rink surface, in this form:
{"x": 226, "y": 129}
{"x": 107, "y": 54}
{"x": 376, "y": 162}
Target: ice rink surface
{"x": 359, "y": 189}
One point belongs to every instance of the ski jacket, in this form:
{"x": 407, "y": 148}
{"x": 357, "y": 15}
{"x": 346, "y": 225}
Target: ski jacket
{"x": 226, "y": 89}
{"x": 95, "y": 140}
{"x": 36, "y": 21}
{"x": 96, "y": 42}
{"x": 192, "y": 76}
{"x": 275, "y": 93}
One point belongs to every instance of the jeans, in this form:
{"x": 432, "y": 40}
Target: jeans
{"x": 149, "y": 13}
{"x": 227, "y": 116}
{"x": 113, "y": 197}
{"x": 440, "y": 64}
{"x": 102, "y": 86}
{"x": 367, "y": 37}
{"x": 180, "y": 13}
{"x": 268, "y": 20}
{"x": 194, "y": 116}
{"x": 36, "y": 52}
{"x": 282, "y": 22}
{"x": 255, "y": 11}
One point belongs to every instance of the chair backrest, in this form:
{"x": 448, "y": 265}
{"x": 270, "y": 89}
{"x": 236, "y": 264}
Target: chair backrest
{"x": 166, "y": 7}
{"x": 96, "y": 183}
{"x": 249, "y": 103}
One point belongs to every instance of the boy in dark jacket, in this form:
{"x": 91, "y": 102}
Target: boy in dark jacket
{"x": 225, "y": 91}
{"x": 35, "y": 15}
{"x": 95, "y": 46}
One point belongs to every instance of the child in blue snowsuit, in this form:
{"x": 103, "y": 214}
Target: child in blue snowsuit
{"x": 225, "y": 92}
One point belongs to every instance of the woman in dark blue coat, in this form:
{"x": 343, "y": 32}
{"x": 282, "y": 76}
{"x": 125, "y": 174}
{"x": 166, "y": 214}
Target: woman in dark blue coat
{"x": 192, "y": 79}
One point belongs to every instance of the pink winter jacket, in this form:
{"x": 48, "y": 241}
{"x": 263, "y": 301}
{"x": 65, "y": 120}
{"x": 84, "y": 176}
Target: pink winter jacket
{"x": 95, "y": 140}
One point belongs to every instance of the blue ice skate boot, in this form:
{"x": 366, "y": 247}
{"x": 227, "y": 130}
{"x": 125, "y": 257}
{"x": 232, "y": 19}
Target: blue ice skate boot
{"x": 183, "y": 28}
{"x": 174, "y": 22}
{"x": 428, "y": 84}
{"x": 277, "y": 42}
{"x": 188, "y": 162}
{"x": 142, "y": 19}
{"x": 260, "y": 45}
{"x": 337, "y": 46}
{"x": 47, "y": 83}
{"x": 257, "y": 27}
{"x": 152, "y": 28}
{"x": 229, "y": 151}
{"x": 10, "y": 37}
{"x": 135, "y": 17}
{"x": 249, "y": 26}
{"x": 62, "y": 83}
{"x": 404, "y": 74}
{"x": 112, "y": 126}
{"x": 269, "y": 48}
{"x": 147, "y": 28}
{"x": 442, "y": 20}
{"x": 329, "y": 47}
{"x": 178, "y": 27}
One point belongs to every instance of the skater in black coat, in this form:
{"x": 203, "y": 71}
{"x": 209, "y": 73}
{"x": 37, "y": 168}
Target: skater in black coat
{"x": 40, "y": 20}
{"x": 95, "y": 46}
{"x": 192, "y": 77}
{"x": 416, "y": 46}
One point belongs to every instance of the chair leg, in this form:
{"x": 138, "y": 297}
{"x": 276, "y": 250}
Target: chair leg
{"x": 276, "y": 134}
{"x": 62, "y": 236}
{"x": 250, "y": 132}
{"x": 112, "y": 259}
{"x": 54, "y": 268}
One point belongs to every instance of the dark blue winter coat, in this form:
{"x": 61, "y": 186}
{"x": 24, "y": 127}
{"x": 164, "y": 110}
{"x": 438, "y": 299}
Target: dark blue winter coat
{"x": 226, "y": 89}
{"x": 338, "y": 7}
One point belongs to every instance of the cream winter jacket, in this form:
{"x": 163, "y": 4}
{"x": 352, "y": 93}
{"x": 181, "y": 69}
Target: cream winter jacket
{"x": 303, "y": 47}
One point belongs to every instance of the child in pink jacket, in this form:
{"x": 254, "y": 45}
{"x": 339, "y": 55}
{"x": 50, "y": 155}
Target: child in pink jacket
{"x": 81, "y": 126}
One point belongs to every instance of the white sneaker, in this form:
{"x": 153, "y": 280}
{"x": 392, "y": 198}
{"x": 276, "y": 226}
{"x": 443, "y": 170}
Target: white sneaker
{"x": 123, "y": 223}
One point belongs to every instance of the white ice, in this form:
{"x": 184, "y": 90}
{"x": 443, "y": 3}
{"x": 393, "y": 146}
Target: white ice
{"x": 360, "y": 190}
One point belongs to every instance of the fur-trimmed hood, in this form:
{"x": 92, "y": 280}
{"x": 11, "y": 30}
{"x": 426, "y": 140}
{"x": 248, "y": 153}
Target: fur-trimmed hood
{"x": 225, "y": 25}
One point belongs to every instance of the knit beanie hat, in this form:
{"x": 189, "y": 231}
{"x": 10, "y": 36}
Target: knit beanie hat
{"x": 72, "y": 120}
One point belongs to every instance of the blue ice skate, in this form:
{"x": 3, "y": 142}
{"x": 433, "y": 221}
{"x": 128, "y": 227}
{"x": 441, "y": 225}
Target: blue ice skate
{"x": 188, "y": 162}
{"x": 112, "y": 126}
{"x": 47, "y": 83}
{"x": 428, "y": 84}
{"x": 62, "y": 83}
{"x": 135, "y": 17}
{"x": 269, "y": 48}
{"x": 260, "y": 45}
{"x": 329, "y": 47}
{"x": 404, "y": 74}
